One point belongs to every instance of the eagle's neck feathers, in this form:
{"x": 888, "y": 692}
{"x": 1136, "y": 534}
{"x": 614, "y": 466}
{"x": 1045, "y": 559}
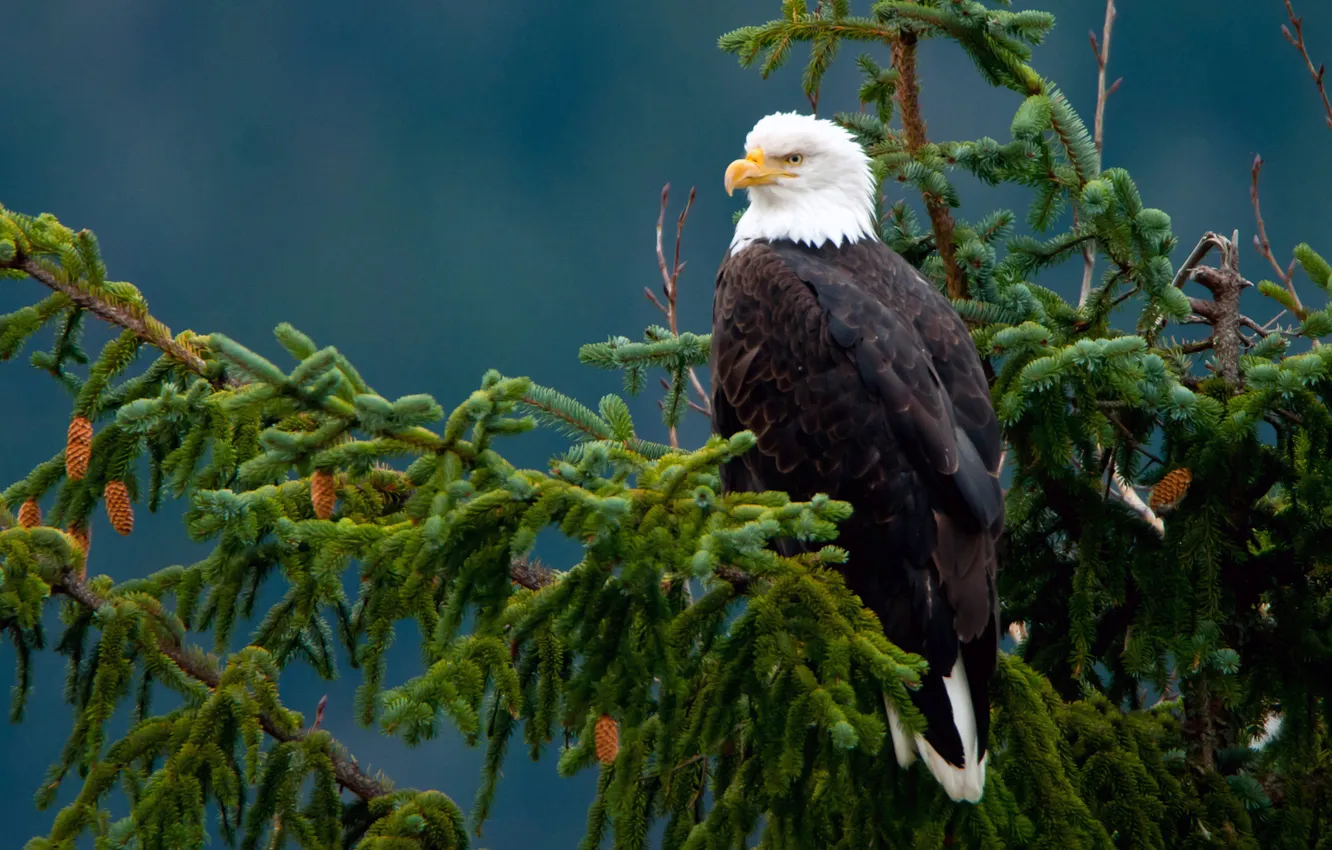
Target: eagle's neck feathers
{"x": 840, "y": 214}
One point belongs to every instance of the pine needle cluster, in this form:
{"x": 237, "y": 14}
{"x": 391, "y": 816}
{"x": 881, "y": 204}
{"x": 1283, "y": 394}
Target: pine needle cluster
{"x": 722, "y": 692}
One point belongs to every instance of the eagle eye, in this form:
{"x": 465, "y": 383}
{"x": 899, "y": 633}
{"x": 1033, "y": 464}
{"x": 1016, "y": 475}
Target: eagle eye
{"x": 794, "y": 159}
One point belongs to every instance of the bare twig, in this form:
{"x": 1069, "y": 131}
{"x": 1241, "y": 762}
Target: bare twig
{"x": 1271, "y": 323}
{"x": 652, "y": 296}
{"x": 670, "y": 278}
{"x": 1260, "y": 238}
{"x": 1297, "y": 39}
{"x": 670, "y": 281}
{"x": 1102, "y": 52}
{"x": 319, "y": 713}
{"x": 1260, "y": 241}
{"x": 1123, "y": 429}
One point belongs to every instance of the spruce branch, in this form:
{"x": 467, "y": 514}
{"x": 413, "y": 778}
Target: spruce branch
{"x": 908, "y": 101}
{"x": 143, "y": 325}
{"x": 1297, "y": 41}
{"x": 194, "y": 664}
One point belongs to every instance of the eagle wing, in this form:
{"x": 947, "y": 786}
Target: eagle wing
{"x": 859, "y": 379}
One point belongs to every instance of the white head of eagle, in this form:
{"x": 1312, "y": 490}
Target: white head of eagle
{"x": 809, "y": 181}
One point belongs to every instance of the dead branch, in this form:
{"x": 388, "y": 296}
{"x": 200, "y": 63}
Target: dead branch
{"x": 670, "y": 281}
{"x": 1133, "y": 502}
{"x": 1225, "y": 283}
{"x": 1297, "y": 40}
{"x": 1264, "y": 247}
{"x": 1117, "y": 486}
{"x": 1102, "y": 53}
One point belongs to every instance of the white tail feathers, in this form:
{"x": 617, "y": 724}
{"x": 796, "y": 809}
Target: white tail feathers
{"x": 960, "y": 783}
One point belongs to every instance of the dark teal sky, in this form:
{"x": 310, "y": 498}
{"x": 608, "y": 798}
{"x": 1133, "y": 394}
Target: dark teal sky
{"x": 440, "y": 188}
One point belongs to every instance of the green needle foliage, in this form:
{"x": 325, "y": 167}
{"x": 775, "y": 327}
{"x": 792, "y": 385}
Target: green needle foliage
{"x": 747, "y": 688}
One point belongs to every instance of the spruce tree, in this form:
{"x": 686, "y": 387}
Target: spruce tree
{"x": 1170, "y": 462}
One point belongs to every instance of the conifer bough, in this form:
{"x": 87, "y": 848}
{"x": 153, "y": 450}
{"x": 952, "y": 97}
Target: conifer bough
{"x": 746, "y": 686}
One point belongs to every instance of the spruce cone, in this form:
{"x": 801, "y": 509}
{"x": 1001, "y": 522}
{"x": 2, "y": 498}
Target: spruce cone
{"x": 118, "y": 507}
{"x": 1170, "y": 490}
{"x": 30, "y": 514}
{"x": 323, "y": 493}
{"x": 78, "y": 447}
{"x": 608, "y": 739}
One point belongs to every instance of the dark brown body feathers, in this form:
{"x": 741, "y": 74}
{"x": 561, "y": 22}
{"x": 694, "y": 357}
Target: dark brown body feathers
{"x": 860, "y": 381}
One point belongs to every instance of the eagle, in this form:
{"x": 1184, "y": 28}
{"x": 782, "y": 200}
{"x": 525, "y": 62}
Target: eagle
{"x": 859, "y": 380}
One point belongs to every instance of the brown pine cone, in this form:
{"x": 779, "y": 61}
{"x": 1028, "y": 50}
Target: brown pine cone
{"x": 78, "y": 447}
{"x": 608, "y": 739}
{"x": 1170, "y": 490}
{"x": 118, "y": 507}
{"x": 30, "y": 514}
{"x": 323, "y": 493}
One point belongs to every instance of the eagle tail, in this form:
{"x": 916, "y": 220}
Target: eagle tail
{"x": 966, "y": 782}
{"x": 903, "y": 747}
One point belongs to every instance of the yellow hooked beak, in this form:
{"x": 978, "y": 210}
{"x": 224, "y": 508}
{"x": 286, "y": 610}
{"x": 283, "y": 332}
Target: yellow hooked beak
{"x": 751, "y": 171}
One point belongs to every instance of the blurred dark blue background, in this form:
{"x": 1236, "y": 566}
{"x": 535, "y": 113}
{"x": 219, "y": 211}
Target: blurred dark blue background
{"x": 441, "y": 188}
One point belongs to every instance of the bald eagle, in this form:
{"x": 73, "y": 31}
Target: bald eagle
{"x": 860, "y": 381}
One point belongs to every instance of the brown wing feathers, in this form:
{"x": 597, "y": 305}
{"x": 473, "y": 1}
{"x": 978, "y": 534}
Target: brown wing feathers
{"x": 859, "y": 381}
